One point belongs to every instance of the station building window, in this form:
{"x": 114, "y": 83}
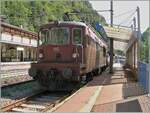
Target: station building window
{"x": 17, "y": 53}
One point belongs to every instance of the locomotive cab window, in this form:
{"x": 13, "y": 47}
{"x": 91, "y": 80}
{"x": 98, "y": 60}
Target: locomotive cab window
{"x": 59, "y": 36}
{"x": 77, "y": 36}
{"x": 44, "y": 34}
{"x": 54, "y": 36}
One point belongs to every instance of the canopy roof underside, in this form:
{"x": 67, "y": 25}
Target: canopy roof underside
{"x": 121, "y": 36}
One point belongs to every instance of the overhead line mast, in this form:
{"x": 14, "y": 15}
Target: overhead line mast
{"x": 111, "y": 12}
{"x": 111, "y": 39}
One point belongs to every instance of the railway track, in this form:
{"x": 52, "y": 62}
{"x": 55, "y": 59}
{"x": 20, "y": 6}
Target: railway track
{"x": 41, "y": 101}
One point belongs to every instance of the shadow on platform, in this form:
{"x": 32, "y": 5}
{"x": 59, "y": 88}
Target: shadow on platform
{"x": 129, "y": 106}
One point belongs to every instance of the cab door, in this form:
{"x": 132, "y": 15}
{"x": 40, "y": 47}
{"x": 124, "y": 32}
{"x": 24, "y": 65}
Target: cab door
{"x": 78, "y": 51}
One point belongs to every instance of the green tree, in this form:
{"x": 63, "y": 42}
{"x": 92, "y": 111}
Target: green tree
{"x": 16, "y": 12}
{"x": 32, "y": 14}
{"x": 144, "y": 49}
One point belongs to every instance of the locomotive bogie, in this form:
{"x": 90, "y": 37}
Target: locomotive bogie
{"x": 68, "y": 72}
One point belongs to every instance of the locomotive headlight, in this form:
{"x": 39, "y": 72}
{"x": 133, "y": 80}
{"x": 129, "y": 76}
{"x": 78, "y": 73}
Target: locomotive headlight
{"x": 40, "y": 55}
{"x": 74, "y": 55}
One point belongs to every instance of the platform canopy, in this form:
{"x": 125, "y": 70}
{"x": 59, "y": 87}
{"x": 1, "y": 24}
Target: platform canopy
{"x": 120, "y": 35}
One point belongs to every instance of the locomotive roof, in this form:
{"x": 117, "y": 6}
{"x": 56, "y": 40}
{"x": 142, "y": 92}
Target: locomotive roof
{"x": 73, "y": 23}
{"x": 64, "y": 23}
{"x": 77, "y": 24}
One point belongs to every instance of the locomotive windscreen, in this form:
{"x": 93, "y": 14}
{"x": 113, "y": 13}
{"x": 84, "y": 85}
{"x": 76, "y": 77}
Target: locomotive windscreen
{"x": 54, "y": 36}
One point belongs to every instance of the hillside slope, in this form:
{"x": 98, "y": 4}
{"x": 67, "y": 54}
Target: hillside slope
{"x": 32, "y": 14}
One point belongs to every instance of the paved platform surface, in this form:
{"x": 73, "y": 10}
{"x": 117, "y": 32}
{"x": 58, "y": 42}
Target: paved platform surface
{"x": 121, "y": 93}
{"x": 83, "y": 100}
{"x": 118, "y": 92}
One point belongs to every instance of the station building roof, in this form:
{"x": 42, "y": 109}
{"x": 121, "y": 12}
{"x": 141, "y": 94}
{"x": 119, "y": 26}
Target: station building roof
{"x": 14, "y": 30}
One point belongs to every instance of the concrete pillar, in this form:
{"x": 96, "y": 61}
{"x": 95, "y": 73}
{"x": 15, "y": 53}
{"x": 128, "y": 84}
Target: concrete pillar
{"x": 111, "y": 55}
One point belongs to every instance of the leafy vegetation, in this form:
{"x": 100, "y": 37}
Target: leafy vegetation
{"x": 32, "y": 14}
{"x": 144, "y": 46}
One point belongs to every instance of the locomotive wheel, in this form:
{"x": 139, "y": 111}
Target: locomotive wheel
{"x": 95, "y": 72}
{"x": 89, "y": 76}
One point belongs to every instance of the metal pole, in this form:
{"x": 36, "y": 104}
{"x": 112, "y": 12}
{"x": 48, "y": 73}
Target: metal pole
{"x": 111, "y": 12}
{"x": 111, "y": 55}
{"x": 138, "y": 20}
{"x": 138, "y": 35}
{"x": 134, "y": 22}
{"x": 131, "y": 27}
{"x": 134, "y": 48}
{"x": 111, "y": 39}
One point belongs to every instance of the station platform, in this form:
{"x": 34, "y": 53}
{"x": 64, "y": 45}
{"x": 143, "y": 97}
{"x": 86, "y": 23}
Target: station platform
{"x": 117, "y": 92}
{"x": 14, "y": 72}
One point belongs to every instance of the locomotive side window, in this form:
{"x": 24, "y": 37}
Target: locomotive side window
{"x": 97, "y": 47}
{"x": 77, "y": 36}
{"x": 89, "y": 41}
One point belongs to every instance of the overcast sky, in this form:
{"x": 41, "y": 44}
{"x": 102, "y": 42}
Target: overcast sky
{"x": 126, "y": 7}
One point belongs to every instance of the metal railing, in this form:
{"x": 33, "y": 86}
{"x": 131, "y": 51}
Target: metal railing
{"x": 143, "y": 76}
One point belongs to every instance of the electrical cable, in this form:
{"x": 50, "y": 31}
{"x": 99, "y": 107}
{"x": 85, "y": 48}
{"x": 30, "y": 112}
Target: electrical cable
{"x": 130, "y": 22}
{"x": 124, "y": 13}
{"x": 128, "y": 18}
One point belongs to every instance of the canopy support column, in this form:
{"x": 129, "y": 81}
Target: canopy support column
{"x": 111, "y": 55}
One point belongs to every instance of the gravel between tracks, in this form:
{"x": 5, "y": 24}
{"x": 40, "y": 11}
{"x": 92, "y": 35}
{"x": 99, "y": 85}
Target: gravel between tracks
{"x": 14, "y": 79}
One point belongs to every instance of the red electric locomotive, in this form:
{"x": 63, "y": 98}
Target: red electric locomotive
{"x": 68, "y": 52}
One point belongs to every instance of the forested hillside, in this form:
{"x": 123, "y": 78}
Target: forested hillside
{"x": 31, "y": 14}
{"x": 144, "y": 46}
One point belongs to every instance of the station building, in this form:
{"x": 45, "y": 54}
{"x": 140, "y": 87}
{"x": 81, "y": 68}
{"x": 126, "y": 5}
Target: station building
{"x": 17, "y": 51}
{"x": 17, "y": 44}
